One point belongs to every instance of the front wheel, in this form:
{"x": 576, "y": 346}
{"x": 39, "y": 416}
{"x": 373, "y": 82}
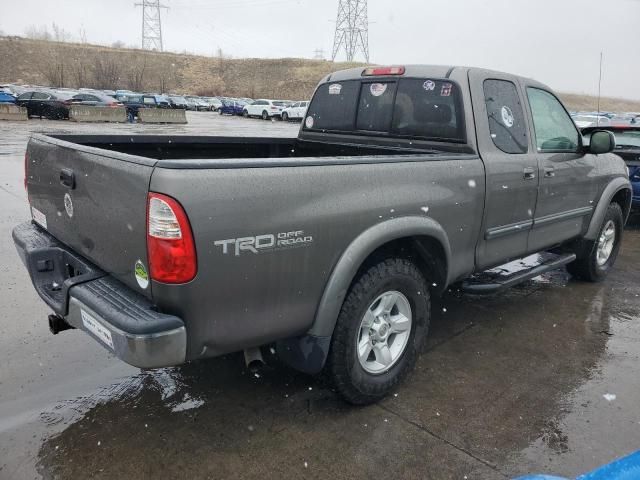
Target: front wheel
{"x": 596, "y": 257}
{"x": 220, "y": 112}
{"x": 265, "y": 115}
{"x": 245, "y": 114}
{"x": 285, "y": 117}
{"x": 380, "y": 331}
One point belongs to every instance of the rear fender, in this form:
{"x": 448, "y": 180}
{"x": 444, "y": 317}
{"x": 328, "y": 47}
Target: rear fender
{"x": 355, "y": 255}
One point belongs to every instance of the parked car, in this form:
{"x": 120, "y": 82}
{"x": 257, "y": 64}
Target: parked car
{"x": 192, "y": 104}
{"x": 297, "y": 111}
{"x": 48, "y": 104}
{"x": 95, "y": 99}
{"x": 264, "y": 109}
{"x": 232, "y": 107}
{"x": 584, "y": 121}
{"x": 402, "y": 182}
{"x": 627, "y": 147}
{"x": 134, "y": 102}
{"x": 162, "y": 101}
{"x": 214, "y": 103}
{"x": 177, "y": 101}
{"x": 7, "y": 98}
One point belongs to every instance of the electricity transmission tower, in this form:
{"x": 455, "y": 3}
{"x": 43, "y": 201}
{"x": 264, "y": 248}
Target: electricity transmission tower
{"x": 318, "y": 54}
{"x": 151, "y": 24}
{"x": 352, "y": 30}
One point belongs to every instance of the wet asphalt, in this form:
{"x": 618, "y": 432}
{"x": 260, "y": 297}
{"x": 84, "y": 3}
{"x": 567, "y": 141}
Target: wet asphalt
{"x": 543, "y": 378}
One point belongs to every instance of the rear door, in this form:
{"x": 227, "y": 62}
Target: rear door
{"x": 567, "y": 187}
{"x": 511, "y": 167}
{"x": 92, "y": 200}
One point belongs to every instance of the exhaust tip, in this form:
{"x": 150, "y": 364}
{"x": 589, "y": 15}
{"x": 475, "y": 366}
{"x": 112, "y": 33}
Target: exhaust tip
{"x": 253, "y": 359}
{"x": 58, "y": 324}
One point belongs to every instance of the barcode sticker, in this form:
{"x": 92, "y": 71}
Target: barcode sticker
{"x": 95, "y": 327}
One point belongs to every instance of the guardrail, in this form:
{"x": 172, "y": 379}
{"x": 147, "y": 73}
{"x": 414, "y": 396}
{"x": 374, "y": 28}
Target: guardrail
{"x": 9, "y": 111}
{"x": 161, "y": 115}
{"x": 87, "y": 113}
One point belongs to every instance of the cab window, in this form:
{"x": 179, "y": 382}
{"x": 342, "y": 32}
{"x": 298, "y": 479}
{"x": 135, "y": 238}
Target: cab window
{"x": 506, "y": 116}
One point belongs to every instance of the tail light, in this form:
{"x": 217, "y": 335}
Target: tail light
{"x": 274, "y": 108}
{"x": 67, "y": 102}
{"x": 170, "y": 245}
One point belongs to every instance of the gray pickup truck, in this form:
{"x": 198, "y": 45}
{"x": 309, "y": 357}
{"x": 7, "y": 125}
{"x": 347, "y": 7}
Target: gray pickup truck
{"x": 402, "y": 182}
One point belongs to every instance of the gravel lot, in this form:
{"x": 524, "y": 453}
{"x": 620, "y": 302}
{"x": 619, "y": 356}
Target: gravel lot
{"x": 510, "y": 384}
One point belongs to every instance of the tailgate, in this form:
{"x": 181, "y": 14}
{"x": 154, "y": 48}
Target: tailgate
{"x": 95, "y": 202}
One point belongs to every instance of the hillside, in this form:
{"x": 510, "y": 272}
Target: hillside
{"x": 82, "y": 65}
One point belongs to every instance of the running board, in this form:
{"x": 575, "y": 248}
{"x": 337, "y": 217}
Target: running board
{"x": 498, "y": 284}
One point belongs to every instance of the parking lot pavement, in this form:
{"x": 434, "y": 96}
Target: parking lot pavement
{"x": 542, "y": 378}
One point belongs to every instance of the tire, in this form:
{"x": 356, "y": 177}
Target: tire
{"x": 392, "y": 277}
{"x": 245, "y": 114}
{"x": 220, "y": 112}
{"x": 594, "y": 263}
{"x": 285, "y": 117}
{"x": 265, "y": 115}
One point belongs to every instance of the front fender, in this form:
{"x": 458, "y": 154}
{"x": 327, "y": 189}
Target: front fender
{"x": 358, "y": 251}
{"x": 615, "y": 186}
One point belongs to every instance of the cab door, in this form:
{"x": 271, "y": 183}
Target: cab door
{"x": 511, "y": 165}
{"x": 568, "y": 190}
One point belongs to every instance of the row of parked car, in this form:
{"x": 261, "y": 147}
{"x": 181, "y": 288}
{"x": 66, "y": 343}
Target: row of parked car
{"x": 605, "y": 119}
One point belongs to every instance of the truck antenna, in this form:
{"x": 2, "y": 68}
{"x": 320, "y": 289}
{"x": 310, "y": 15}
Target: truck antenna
{"x": 599, "y": 91}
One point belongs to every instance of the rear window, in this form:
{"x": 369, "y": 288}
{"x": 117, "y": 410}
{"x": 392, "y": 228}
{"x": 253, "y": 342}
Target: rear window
{"x": 407, "y": 107}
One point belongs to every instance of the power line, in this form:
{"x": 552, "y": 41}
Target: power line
{"x": 151, "y": 24}
{"x": 352, "y": 30}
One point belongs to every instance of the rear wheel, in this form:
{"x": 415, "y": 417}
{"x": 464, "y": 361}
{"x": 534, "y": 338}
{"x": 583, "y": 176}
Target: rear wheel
{"x": 285, "y": 117}
{"x": 265, "y": 115}
{"x": 380, "y": 331}
{"x": 597, "y": 257}
{"x": 220, "y": 112}
{"x": 245, "y": 114}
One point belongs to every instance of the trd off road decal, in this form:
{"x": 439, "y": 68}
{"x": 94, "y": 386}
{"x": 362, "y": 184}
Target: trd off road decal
{"x": 264, "y": 243}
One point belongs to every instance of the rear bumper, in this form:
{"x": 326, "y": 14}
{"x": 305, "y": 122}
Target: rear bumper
{"x": 121, "y": 320}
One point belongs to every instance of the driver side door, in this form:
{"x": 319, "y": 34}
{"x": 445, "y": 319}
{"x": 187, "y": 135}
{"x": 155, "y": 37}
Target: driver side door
{"x": 567, "y": 189}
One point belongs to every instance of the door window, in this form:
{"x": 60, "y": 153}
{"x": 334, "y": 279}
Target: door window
{"x": 40, "y": 96}
{"x": 554, "y": 129}
{"x": 506, "y": 116}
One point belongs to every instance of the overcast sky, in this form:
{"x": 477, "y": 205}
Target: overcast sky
{"x": 555, "y": 41}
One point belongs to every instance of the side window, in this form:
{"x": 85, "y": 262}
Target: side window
{"x": 25, "y": 96}
{"x": 376, "y": 106}
{"x": 40, "y": 96}
{"x": 506, "y": 116}
{"x": 555, "y": 131}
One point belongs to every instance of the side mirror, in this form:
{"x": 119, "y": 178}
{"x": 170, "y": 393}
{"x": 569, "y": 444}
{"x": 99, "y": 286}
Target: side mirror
{"x": 602, "y": 141}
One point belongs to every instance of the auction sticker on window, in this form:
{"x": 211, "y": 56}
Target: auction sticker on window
{"x": 309, "y": 122}
{"x": 335, "y": 89}
{"x": 507, "y": 117}
{"x": 95, "y": 327}
{"x": 377, "y": 89}
{"x": 429, "y": 85}
{"x": 39, "y": 217}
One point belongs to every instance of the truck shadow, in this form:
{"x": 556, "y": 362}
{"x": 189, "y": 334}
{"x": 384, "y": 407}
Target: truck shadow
{"x": 496, "y": 374}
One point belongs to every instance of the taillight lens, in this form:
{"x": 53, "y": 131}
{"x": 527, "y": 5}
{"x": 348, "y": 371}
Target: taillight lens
{"x": 172, "y": 252}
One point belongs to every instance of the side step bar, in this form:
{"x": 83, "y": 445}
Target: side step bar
{"x": 499, "y": 284}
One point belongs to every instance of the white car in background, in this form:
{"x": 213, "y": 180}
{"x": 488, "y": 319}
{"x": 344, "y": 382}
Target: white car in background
{"x": 264, "y": 109}
{"x": 297, "y": 111}
{"x": 584, "y": 121}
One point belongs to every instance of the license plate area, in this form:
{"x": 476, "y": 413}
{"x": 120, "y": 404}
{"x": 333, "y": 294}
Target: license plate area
{"x": 54, "y": 271}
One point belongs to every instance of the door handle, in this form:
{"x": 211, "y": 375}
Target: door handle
{"x": 549, "y": 172}
{"x": 529, "y": 173}
{"x": 67, "y": 178}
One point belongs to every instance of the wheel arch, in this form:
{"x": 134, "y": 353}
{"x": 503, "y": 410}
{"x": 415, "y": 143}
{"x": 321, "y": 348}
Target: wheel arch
{"x": 419, "y": 238}
{"x": 618, "y": 191}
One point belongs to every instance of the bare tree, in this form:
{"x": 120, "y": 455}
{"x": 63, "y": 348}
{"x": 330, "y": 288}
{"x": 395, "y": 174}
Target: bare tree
{"x": 80, "y": 71}
{"x": 60, "y": 34}
{"x": 118, "y": 44}
{"x": 37, "y": 32}
{"x": 106, "y": 72}
{"x": 136, "y": 75}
